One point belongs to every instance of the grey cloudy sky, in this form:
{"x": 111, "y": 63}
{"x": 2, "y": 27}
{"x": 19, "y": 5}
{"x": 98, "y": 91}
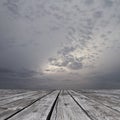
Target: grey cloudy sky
{"x": 60, "y": 44}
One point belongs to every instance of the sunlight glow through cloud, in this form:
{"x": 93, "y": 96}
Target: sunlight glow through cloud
{"x": 75, "y": 41}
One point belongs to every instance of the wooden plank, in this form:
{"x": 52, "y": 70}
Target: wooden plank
{"x": 105, "y": 92}
{"x": 109, "y": 100}
{"x": 94, "y": 109}
{"x": 39, "y": 110}
{"x": 15, "y": 97}
{"x": 16, "y": 106}
{"x": 109, "y": 91}
{"x": 6, "y": 93}
{"x": 67, "y": 109}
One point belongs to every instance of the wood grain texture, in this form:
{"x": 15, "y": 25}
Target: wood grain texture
{"x": 16, "y": 104}
{"x": 67, "y": 109}
{"x": 60, "y": 105}
{"x": 110, "y": 100}
{"x": 94, "y": 109}
{"x": 6, "y": 94}
{"x": 12, "y": 98}
{"x": 38, "y": 110}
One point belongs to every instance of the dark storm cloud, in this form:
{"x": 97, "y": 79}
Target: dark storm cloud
{"x": 24, "y": 73}
{"x": 110, "y": 80}
{"x": 5, "y": 70}
{"x": 108, "y": 3}
{"x": 21, "y": 79}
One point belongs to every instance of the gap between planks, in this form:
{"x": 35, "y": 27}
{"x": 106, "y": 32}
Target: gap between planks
{"x": 80, "y": 106}
{"x": 41, "y": 109}
{"x": 26, "y": 106}
{"x": 95, "y": 109}
{"x": 99, "y": 102}
{"x": 53, "y": 106}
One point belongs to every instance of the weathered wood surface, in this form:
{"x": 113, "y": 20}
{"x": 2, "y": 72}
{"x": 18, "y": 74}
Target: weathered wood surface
{"x": 111, "y": 100}
{"x": 67, "y": 109}
{"x": 94, "y": 109}
{"x": 14, "y": 105}
{"x": 60, "y": 105}
{"x": 39, "y": 110}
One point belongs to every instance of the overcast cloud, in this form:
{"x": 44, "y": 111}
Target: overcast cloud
{"x": 59, "y": 44}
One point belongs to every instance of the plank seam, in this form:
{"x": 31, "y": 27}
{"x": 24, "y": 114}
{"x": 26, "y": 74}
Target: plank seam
{"x": 56, "y": 107}
{"x": 26, "y": 106}
{"x": 81, "y": 107}
{"x": 52, "y": 108}
{"x": 100, "y": 102}
{"x": 82, "y": 91}
{"x": 17, "y": 95}
{"x": 19, "y": 99}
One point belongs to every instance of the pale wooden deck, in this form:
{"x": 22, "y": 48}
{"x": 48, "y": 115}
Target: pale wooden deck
{"x": 60, "y": 105}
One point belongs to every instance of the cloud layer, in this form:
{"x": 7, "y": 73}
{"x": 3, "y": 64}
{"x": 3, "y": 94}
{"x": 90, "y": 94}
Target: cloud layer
{"x": 65, "y": 43}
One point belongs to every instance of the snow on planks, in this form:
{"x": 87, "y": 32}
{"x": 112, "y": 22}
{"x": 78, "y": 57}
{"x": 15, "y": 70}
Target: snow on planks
{"x": 60, "y": 105}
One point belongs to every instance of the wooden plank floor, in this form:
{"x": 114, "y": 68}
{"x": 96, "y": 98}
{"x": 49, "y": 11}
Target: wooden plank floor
{"x": 60, "y": 105}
